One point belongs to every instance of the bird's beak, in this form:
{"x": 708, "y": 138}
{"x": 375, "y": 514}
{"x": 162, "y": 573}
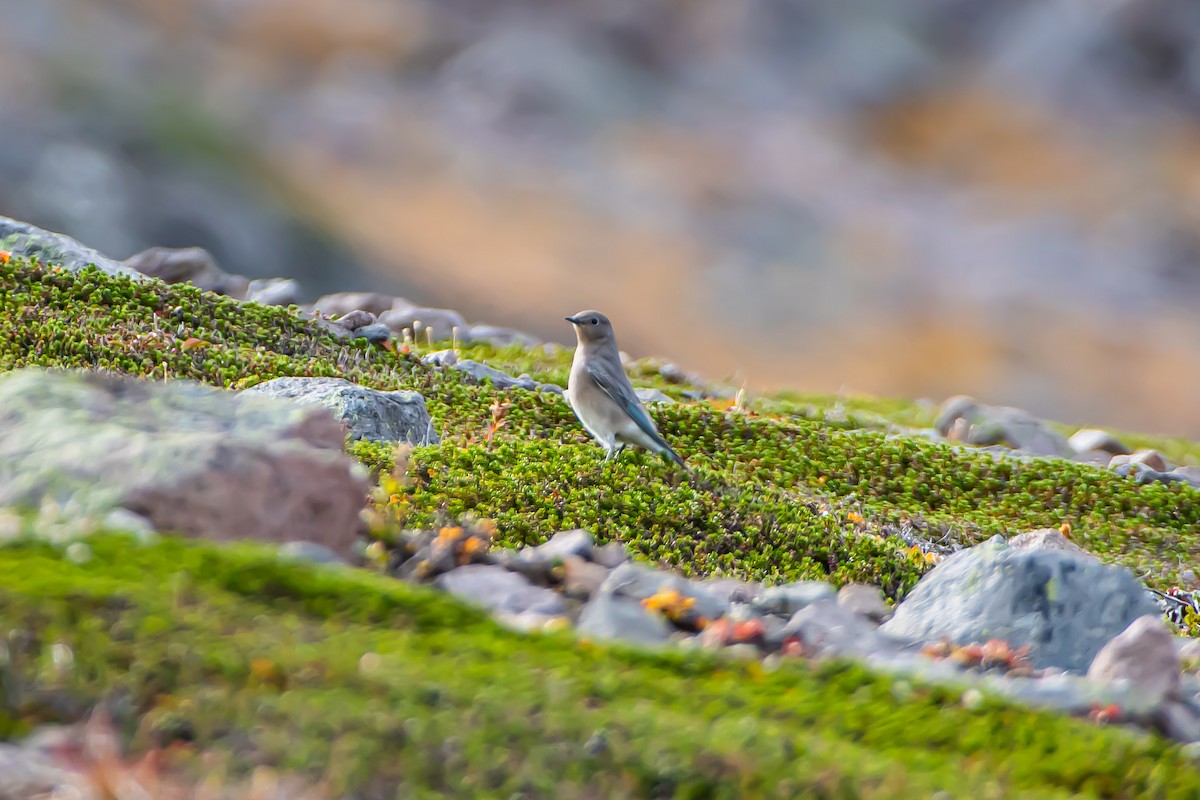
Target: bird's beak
{"x": 572, "y": 320}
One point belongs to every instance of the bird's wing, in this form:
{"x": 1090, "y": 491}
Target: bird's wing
{"x": 620, "y": 392}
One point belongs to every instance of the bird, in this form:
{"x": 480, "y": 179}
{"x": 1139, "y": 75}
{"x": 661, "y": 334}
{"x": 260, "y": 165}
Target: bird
{"x": 602, "y": 397}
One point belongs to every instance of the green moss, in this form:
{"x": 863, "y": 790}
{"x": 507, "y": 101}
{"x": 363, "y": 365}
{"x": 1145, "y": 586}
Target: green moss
{"x": 264, "y": 660}
{"x": 776, "y": 495}
{"x": 389, "y": 688}
{"x": 774, "y": 500}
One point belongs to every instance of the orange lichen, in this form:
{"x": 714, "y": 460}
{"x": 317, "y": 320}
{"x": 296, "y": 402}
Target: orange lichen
{"x": 670, "y": 602}
{"x": 449, "y": 534}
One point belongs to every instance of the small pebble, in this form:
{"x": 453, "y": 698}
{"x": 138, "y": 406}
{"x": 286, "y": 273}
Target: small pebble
{"x": 78, "y": 553}
{"x": 864, "y": 600}
{"x": 370, "y": 663}
{"x": 1089, "y": 439}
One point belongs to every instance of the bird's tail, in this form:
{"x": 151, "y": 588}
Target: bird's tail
{"x": 669, "y": 454}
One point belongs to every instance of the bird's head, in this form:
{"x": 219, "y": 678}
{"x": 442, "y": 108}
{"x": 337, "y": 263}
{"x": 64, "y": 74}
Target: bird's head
{"x": 591, "y": 327}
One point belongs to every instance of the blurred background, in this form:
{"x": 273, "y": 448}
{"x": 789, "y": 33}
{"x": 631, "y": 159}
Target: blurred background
{"x": 997, "y": 198}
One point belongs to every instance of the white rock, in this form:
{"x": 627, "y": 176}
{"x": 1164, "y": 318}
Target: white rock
{"x": 1143, "y": 655}
{"x": 864, "y": 600}
{"x": 1150, "y": 458}
{"x": 1088, "y": 439}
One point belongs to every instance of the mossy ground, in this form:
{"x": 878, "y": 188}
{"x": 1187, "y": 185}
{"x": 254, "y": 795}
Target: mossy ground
{"x": 392, "y": 690}
{"x": 800, "y": 487}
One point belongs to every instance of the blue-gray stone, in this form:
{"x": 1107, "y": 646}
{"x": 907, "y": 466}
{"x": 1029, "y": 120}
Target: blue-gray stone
{"x": 614, "y": 617}
{"x": 1064, "y": 605}
{"x": 499, "y": 590}
{"x": 21, "y": 238}
{"x": 369, "y": 414}
{"x": 789, "y": 598}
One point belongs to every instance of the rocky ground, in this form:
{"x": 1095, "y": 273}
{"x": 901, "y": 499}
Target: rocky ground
{"x": 362, "y": 547}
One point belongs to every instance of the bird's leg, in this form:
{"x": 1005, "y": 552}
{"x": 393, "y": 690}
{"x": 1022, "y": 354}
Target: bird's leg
{"x": 612, "y": 450}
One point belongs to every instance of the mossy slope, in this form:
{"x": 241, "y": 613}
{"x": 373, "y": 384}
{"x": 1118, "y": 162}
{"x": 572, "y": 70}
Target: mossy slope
{"x": 391, "y": 690}
{"x": 774, "y": 496}
{"x": 206, "y": 638}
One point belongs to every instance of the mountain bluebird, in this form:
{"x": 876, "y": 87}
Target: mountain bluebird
{"x": 601, "y": 395}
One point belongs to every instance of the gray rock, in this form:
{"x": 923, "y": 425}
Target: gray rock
{"x": 354, "y": 320}
{"x": 427, "y": 562}
{"x": 273, "y": 292}
{"x": 193, "y": 265}
{"x": 440, "y": 358}
{"x": 343, "y": 303}
{"x": 610, "y": 555}
{"x": 639, "y": 582}
{"x": 538, "y": 571}
{"x": 502, "y": 380}
{"x": 369, "y": 414}
{"x": 1070, "y": 694}
{"x": 500, "y": 337}
{"x": 1179, "y": 720}
{"x": 650, "y": 395}
{"x": 967, "y": 420}
{"x": 1065, "y": 607}
{"x": 1048, "y": 539}
{"x": 324, "y": 323}
{"x": 612, "y": 616}
{"x": 1086, "y": 440}
{"x": 1143, "y": 655}
{"x": 204, "y": 462}
{"x": 828, "y": 628}
{"x": 577, "y": 542}
{"x": 616, "y": 610}
{"x": 1190, "y": 474}
{"x": 56, "y": 249}
{"x": 1148, "y": 458}
{"x": 787, "y": 599}
{"x": 375, "y": 334}
{"x": 440, "y": 321}
{"x": 25, "y": 774}
{"x": 583, "y": 578}
{"x": 310, "y": 551}
{"x": 731, "y": 590}
{"x": 1098, "y": 458}
{"x": 864, "y": 600}
{"x": 355, "y": 325}
{"x": 1143, "y": 474}
{"x": 676, "y": 374}
{"x": 499, "y": 590}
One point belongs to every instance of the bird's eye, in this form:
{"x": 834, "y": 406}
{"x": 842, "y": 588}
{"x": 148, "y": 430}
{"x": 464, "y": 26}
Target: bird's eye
{"x": 595, "y": 322}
